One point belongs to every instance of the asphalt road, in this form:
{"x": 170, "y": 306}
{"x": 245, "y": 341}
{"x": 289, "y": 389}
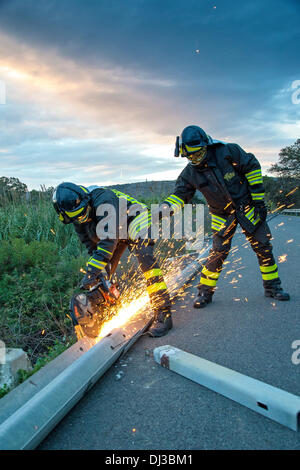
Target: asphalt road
{"x": 153, "y": 408}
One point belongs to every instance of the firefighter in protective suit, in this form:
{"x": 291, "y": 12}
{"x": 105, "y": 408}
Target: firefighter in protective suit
{"x": 231, "y": 181}
{"x": 78, "y": 205}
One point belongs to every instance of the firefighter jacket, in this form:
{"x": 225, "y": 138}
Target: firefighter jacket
{"x": 231, "y": 181}
{"x": 102, "y": 250}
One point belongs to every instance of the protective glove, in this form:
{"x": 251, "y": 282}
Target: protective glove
{"x": 98, "y": 282}
{"x": 90, "y": 280}
{"x": 260, "y": 210}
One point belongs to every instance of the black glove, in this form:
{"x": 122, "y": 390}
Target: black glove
{"x": 261, "y": 211}
{"x": 90, "y": 280}
{"x": 100, "y": 279}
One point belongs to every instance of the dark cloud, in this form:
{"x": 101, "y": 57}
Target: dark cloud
{"x": 236, "y": 86}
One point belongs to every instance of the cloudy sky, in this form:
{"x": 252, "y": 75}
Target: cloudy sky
{"x": 97, "y": 90}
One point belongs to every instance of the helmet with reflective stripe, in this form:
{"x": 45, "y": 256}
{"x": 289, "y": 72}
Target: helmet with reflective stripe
{"x": 192, "y": 144}
{"x": 192, "y": 139}
{"x": 71, "y": 202}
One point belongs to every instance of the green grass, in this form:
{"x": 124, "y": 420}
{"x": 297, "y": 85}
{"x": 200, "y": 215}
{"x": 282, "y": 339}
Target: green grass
{"x": 40, "y": 261}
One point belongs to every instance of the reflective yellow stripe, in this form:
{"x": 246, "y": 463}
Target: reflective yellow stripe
{"x": 84, "y": 189}
{"x": 135, "y": 227}
{"x": 217, "y": 219}
{"x": 157, "y": 286}
{"x": 256, "y": 181}
{"x": 192, "y": 149}
{"x": 74, "y": 213}
{"x": 102, "y": 249}
{"x": 267, "y": 269}
{"x": 153, "y": 273}
{"x": 253, "y": 173}
{"x": 61, "y": 217}
{"x": 175, "y": 200}
{"x": 208, "y": 282}
{"x": 119, "y": 194}
{"x": 210, "y": 273}
{"x": 97, "y": 264}
{"x": 267, "y": 277}
{"x": 217, "y": 227}
{"x": 138, "y": 219}
{"x": 143, "y": 225}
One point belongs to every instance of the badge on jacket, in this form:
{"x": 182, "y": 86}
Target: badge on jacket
{"x": 228, "y": 176}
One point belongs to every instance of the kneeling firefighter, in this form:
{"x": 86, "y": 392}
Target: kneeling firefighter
{"x": 78, "y": 205}
{"x": 231, "y": 181}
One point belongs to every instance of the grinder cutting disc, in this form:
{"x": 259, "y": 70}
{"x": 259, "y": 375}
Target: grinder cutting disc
{"x": 85, "y": 313}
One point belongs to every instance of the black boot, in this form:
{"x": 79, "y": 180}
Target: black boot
{"x": 277, "y": 293}
{"x": 161, "y": 325}
{"x": 203, "y": 298}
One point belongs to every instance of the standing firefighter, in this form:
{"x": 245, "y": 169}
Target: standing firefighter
{"x": 231, "y": 181}
{"x": 82, "y": 207}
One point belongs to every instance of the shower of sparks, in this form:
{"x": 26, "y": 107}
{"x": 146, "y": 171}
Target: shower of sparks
{"x": 126, "y": 312}
{"x": 293, "y": 190}
{"x": 137, "y": 299}
{"x": 278, "y": 208}
{"x": 282, "y": 258}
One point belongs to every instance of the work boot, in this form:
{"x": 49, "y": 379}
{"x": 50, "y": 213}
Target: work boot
{"x": 161, "y": 325}
{"x": 277, "y": 293}
{"x": 203, "y": 299}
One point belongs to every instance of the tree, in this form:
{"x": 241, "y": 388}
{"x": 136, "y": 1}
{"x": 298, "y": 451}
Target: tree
{"x": 284, "y": 189}
{"x": 289, "y": 162}
{"x": 11, "y": 189}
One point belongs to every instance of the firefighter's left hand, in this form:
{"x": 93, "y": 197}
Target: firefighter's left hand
{"x": 261, "y": 211}
{"x": 90, "y": 280}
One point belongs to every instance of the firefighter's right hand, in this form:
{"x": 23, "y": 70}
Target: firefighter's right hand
{"x": 261, "y": 211}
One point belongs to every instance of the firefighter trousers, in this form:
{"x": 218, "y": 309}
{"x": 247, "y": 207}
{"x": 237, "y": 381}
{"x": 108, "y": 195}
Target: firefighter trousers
{"x": 260, "y": 244}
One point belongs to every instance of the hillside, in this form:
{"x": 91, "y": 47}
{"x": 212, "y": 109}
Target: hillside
{"x": 154, "y": 190}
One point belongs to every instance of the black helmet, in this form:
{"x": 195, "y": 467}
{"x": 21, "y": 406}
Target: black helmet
{"x": 192, "y": 140}
{"x": 71, "y": 203}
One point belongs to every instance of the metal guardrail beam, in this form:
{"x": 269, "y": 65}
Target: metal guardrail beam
{"x": 31, "y": 423}
{"x": 293, "y": 211}
{"x": 265, "y": 399}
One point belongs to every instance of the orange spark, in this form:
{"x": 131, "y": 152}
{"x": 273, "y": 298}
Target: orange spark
{"x": 293, "y": 190}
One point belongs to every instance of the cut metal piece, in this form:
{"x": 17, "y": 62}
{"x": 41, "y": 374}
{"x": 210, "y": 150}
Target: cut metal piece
{"x": 272, "y": 402}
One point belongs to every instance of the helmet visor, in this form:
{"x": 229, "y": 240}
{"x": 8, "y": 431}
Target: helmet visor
{"x": 197, "y": 157}
{"x": 84, "y": 216}
{"x": 79, "y": 215}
